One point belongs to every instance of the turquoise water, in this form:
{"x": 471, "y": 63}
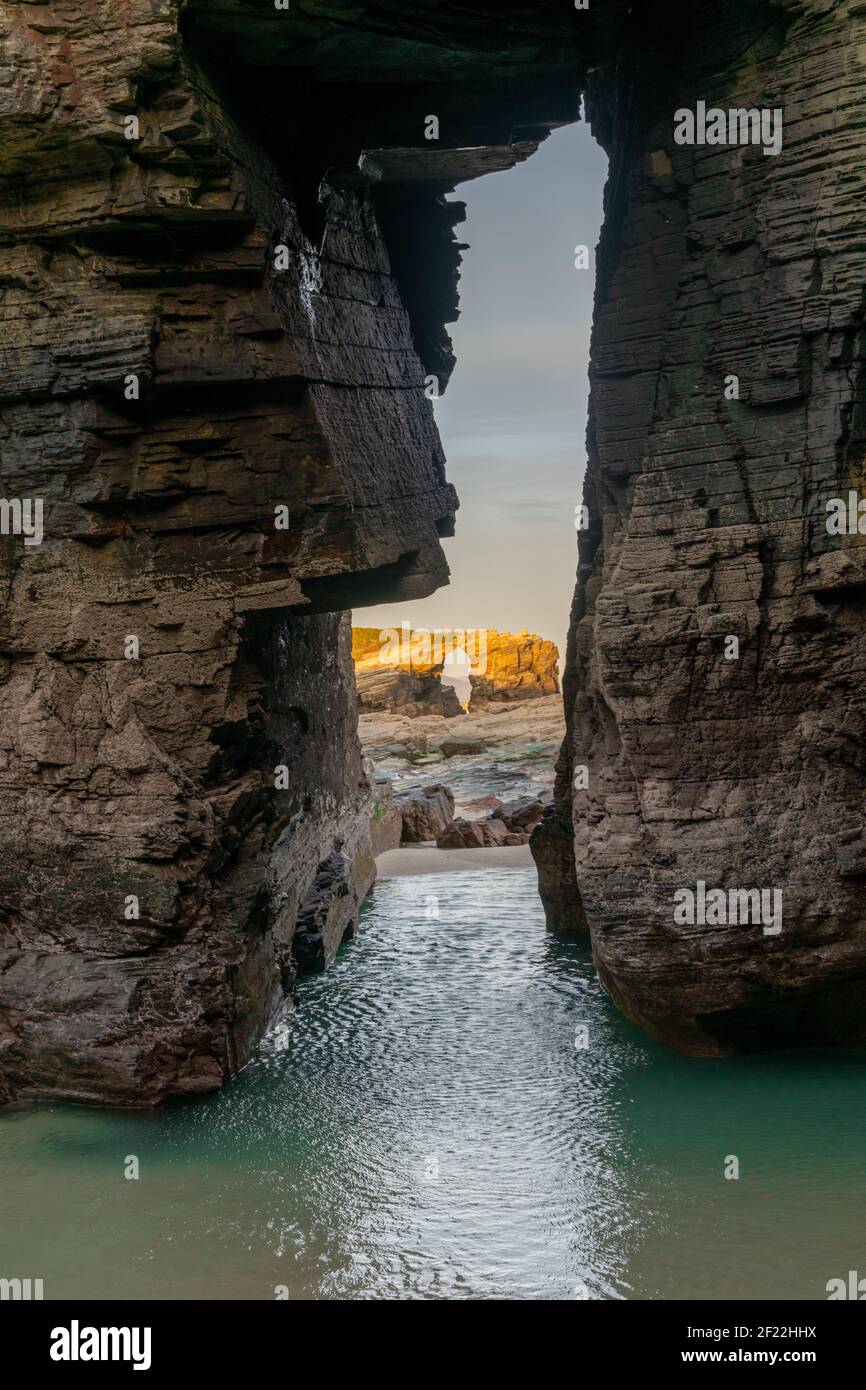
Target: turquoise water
{"x": 425, "y": 1127}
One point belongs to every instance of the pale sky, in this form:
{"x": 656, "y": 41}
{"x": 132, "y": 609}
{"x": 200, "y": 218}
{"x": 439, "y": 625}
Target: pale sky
{"x": 513, "y": 418}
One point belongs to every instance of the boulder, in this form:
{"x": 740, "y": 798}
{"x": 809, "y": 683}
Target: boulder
{"x": 426, "y": 813}
{"x": 495, "y": 832}
{"x": 478, "y": 834}
{"x": 456, "y": 747}
{"x": 521, "y": 814}
{"x": 462, "y": 834}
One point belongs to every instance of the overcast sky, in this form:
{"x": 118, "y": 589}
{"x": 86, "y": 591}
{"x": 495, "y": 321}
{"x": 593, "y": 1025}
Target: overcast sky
{"x": 513, "y": 419}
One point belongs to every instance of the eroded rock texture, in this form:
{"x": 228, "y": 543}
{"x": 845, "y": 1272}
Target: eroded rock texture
{"x": 412, "y": 689}
{"x": 402, "y": 672}
{"x": 227, "y": 262}
{"x": 707, "y": 521}
{"x": 224, "y": 324}
{"x": 517, "y": 666}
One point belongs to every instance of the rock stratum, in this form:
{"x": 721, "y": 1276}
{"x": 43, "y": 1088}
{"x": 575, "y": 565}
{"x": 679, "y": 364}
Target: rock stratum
{"x": 400, "y": 672}
{"x": 412, "y": 689}
{"x": 728, "y": 407}
{"x": 518, "y": 666}
{"x": 227, "y": 263}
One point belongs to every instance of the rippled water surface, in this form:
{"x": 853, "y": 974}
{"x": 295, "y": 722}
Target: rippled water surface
{"x": 425, "y": 1126}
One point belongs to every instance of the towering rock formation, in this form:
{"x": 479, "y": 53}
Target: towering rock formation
{"x": 728, "y": 407}
{"x": 227, "y": 263}
{"x": 226, "y": 266}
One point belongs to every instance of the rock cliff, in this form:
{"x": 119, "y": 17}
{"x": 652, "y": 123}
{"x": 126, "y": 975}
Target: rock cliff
{"x": 227, "y": 264}
{"x": 517, "y": 666}
{"x": 714, "y": 682}
{"x": 412, "y": 687}
{"x": 402, "y": 673}
{"x": 227, "y": 268}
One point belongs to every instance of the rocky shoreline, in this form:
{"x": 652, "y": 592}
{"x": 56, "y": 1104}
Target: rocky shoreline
{"x": 407, "y": 671}
{"x": 479, "y": 781}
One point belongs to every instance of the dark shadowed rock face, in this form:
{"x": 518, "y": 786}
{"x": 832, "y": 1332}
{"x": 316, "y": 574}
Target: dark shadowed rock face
{"x": 707, "y": 520}
{"x": 215, "y": 338}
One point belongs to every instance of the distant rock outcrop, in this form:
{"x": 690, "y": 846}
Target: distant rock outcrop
{"x": 389, "y": 687}
{"x": 402, "y": 672}
{"x": 518, "y": 666}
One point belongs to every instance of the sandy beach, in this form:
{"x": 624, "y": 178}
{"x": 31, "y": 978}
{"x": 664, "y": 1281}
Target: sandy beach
{"x": 426, "y": 859}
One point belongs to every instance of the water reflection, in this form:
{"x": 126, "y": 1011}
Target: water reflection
{"x": 426, "y": 1126}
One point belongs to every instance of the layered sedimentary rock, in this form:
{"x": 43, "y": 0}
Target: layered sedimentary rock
{"x": 411, "y": 688}
{"x": 226, "y": 263}
{"x": 517, "y": 666}
{"x": 225, "y": 452}
{"x": 410, "y": 693}
{"x": 728, "y": 406}
{"x": 401, "y": 672}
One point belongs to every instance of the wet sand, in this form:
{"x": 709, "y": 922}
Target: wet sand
{"x": 424, "y": 859}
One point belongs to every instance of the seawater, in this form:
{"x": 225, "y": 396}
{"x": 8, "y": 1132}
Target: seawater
{"x": 425, "y": 1126}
